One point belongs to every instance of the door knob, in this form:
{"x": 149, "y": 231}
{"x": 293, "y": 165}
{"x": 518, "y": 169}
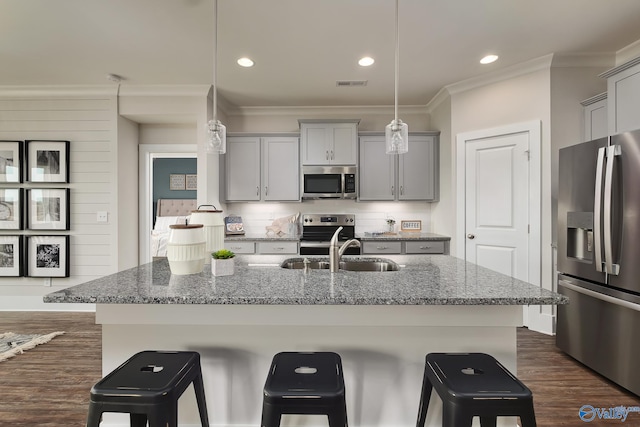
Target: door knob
{"x": 471, "y": 236}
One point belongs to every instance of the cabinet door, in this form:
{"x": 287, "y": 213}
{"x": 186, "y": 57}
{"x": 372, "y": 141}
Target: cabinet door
{"x": 344, "y": 137}
{"x": 595, "y": 120}
{"x": 418, "y": 170}
{"x": 623, "y": 92}
{"x": 382, "y": 247}
{"x": 242, "y": 165}
{"x": 280, "y": 169}
{"x": 376, "y": 170}
{"x": 315, "y": 144}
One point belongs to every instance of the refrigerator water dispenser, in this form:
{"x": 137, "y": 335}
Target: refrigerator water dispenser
{"x": 580, "y": 235}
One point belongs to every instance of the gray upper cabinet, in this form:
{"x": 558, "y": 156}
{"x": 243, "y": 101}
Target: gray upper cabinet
{"x": 329, "y": 142}
{"x": 411, "y": 176}
{"x": 623, "y": 93}
{"x": 261, "y": 168}
{"x": 595, "y": 117}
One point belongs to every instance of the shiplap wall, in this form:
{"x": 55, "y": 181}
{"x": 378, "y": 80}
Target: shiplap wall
{"x": 87, "y": 117}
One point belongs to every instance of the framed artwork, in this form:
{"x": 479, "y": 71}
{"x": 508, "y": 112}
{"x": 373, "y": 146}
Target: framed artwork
{"x": 11, "y": 256}
{"x": 11, "y": 208}
{"x": 48, "y": 161}
{"x": 47, "y": 256}
{"x": 176, "y": 181}
{"x": 48, "y": 209}
{"x": 191, "y": 182}
{"x": 411, "y": 225}
{"x": 11, "y": 161}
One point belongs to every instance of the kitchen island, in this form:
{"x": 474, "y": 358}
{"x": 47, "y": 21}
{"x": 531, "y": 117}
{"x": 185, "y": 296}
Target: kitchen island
{"x": 381, "y": 323}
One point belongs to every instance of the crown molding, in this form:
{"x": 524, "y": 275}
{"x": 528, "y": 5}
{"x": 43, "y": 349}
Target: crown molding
{"x": 61, "y": 90}
{"x": 620, "y": 68}
{"x": 325, "y": 110}
{"x": 594, "y": 99}
{"x": 628, "y": 53}
{"x": 164, "y": 90}
{"x": 442, "y": 95}
{"x": 527, "y": 67}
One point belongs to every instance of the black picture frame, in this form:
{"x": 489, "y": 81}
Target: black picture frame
{"x": 47, "y": 161}
{"x": 11, "y": 256}
{"x": 48, "y": 209}
{"x": 11, "y": 217}
{"x": 47, "y": 256}
{"x": 11, "y": 161}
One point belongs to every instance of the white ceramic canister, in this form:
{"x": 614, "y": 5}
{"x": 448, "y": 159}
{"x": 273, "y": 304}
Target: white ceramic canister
{"x": 186, "y": 248}
{"x": 213, "y": 223}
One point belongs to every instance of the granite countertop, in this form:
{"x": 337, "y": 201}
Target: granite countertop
{"x": 403, "y": 236}
{"x": 425, "y": 280}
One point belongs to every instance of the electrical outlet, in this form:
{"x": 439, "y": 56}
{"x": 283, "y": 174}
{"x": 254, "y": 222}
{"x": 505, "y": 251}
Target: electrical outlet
{"x": 102, "y": 216}
{"x": 47, "y": 281}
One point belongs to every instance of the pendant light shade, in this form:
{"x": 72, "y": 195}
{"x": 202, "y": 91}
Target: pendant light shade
{"x": 216, "y": 131}
{"x": 397, "y": 133}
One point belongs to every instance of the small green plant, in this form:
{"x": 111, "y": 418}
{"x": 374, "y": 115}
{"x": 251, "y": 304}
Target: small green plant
{"x": 222, "y": 254}
{"x": 391, "y": 221}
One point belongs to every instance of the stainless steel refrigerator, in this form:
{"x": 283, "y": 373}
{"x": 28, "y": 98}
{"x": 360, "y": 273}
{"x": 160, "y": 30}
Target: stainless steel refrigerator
{"x": 599, "y": 256}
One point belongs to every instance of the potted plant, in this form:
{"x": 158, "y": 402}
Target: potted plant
{"x": 391, "y": 223}
{"x": 222, "y": 262}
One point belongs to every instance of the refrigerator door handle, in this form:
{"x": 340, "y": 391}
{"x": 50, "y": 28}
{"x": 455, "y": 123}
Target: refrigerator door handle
{"x": 597, "y": 210}
{"x": 610, "y": 267}
{"x": 598, "y": 295}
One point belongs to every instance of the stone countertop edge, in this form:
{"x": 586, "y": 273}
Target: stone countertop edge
{"x": 425, "y": 280}
{"x": 360, "y": 236}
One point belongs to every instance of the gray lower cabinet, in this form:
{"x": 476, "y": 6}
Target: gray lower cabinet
{"x": 261, "y": 168}
{"x": 241, "y": 247}
{"x": 262, "y": 247}
{"x": 403, "y": 247}
{"x": 410, "y": 176}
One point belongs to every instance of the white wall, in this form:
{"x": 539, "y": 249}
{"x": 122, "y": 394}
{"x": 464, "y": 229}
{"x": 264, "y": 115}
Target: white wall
{"x": 87, "y": 117}
{"x": 127, "y": 194}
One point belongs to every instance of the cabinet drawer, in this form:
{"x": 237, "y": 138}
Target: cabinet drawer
{"x": 425, "y": 247}
{"x": 241, "y": 247}
{"x": 382, "y": 247}
{"x": 278, "y": 247}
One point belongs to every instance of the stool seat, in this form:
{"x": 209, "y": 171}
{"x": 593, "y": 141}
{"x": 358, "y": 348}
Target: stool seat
{"x": 147, "y": 386}
{"x": 305, "y": 383}
{"x": 474, "y": 384}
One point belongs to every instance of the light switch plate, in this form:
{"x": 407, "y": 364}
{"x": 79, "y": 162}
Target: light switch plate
{"x": 102, "y": 216}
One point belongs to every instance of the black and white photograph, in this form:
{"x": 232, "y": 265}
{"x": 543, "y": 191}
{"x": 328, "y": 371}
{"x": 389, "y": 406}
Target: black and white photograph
{"x": 48, "y": 161}
{"x": 48, "y": 209}
{"x": 47, "y": 256}
{"x": 10, "y": 208}
{"x": 11, "y": 161}
{"x": 10, "y": 256}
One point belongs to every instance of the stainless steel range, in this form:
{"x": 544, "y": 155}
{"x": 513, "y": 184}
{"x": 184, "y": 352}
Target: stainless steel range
{"x": 317, "y": 230}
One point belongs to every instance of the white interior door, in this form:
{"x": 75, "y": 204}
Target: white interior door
{"x": 498, "y": 188}
{"x": 497, "y": 196}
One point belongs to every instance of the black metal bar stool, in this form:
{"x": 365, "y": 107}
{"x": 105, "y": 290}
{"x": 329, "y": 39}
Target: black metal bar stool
{"x": 474, "y": 384}
{"x": 147, "y": 386}
{"x": 305, "y": 383}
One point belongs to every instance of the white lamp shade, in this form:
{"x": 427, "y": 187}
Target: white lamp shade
{"x": 396, "y": 135}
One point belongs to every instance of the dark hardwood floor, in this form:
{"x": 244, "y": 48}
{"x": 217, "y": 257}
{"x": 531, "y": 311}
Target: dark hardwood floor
{"x": 49, "y": 385}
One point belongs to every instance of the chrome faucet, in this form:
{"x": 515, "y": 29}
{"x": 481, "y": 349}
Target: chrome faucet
{"x": 335, "y": 251}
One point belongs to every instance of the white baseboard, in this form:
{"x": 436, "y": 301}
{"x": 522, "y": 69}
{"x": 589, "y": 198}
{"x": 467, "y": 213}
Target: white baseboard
{"x": 35, "y": 303}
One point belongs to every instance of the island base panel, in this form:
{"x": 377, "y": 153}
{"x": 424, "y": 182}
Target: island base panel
{"x": 383, "y": 365}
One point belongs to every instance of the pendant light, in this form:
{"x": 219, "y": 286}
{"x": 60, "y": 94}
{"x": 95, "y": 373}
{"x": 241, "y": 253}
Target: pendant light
{"x": 396, "y": 133}
{"x": 216, "y": 131}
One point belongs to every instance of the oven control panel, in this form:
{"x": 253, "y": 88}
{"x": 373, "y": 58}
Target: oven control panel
{"x": 329, "y": 220}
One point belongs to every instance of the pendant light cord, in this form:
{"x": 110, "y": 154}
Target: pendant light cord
{"x": 397, "y": 62}
{"x": 215, "y": 58}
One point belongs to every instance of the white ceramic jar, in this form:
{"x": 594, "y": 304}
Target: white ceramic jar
{"x": 213, "y": 223}
{"x": 186, "y": 248}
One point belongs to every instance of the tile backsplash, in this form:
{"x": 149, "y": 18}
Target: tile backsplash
{"x": 370, "y": 216}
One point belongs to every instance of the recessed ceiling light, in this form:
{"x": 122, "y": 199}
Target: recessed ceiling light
{"x": 245, "y": 62}
{"x": 489, "y": 59}
{"x": 366, "y": 61}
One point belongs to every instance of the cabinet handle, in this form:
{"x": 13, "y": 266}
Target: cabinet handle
{"x": 425, "y": 247}
{"x": 331, "y": 154}
{"x": 401, "y": 190}
{"x": 257, "y": 191}
{"x": 382, "y": 247}
{"x": 393, "y": 190}
{"x": 326, "y": 155}
{"x": 266, "y": 190}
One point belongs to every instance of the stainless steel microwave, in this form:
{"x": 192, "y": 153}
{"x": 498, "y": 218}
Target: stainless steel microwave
{"x": 329, "y": 182}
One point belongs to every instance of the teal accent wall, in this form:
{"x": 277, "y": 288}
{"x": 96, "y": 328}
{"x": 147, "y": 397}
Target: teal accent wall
{"x": 162, "y": 168}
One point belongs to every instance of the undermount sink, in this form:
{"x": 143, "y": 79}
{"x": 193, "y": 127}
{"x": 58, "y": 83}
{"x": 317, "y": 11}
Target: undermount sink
{"x": 362, "y": 264}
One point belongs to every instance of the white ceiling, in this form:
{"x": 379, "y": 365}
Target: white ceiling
{"x": 300, "y": 47}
